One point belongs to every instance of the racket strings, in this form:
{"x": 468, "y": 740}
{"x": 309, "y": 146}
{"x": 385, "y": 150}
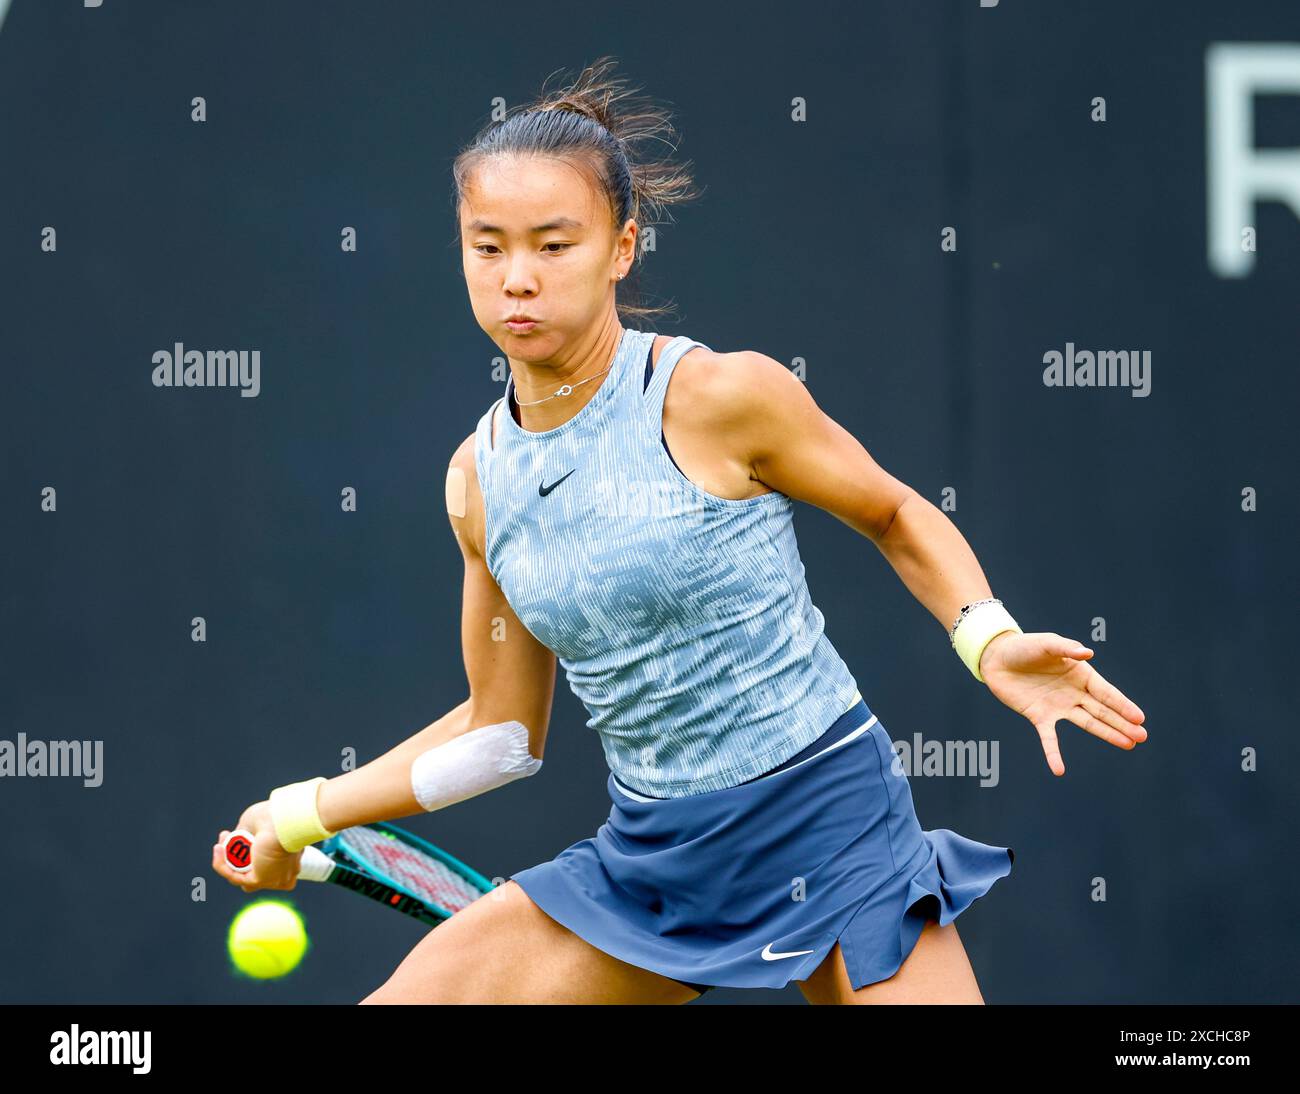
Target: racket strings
{"x": 428, "y": 878}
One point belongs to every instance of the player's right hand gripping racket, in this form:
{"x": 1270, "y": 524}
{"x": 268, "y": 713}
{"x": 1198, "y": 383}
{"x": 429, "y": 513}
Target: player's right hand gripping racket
{"x": 385, "y": 863}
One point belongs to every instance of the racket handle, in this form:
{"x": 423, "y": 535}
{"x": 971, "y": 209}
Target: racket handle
{"x": 314, "y": 865}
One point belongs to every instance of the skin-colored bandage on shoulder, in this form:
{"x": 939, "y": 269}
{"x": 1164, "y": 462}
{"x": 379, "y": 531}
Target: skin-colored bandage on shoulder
{"x": 456, "y": 492}
{"x": 471, "y": 763}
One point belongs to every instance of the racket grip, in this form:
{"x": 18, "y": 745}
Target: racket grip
{"x": 315, "y": 865}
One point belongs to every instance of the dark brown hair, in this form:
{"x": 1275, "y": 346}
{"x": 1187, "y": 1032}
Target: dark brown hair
{"x": 599, "y": 124}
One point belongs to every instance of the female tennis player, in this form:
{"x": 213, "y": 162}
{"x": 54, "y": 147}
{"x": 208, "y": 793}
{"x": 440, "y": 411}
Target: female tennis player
{"x": 625, "y": 507}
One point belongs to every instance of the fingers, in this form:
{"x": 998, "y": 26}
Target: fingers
{"x": 246, "y": 879}
{"x": 1088, "y": 720}
{"x": 268, "y": 876}
{"x": 1051, "y": 748}
{"x": 1117, "y": 709}
{"x": 1100, "y": 688}
{"x": 222, "y": 867}
{"x": 1098, "y": 707}
{"x": 1109, "y": 724}
{"x": 1067, "y": 647}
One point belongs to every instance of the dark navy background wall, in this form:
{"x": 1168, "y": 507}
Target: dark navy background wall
{"x": 817, "y": 241}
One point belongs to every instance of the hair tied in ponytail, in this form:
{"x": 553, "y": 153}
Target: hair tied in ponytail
{"x": 601, "y": 126}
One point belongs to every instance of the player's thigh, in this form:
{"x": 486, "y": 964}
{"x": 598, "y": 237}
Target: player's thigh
{"x": 504, "y": 949}
{"x": 936, "y": 971}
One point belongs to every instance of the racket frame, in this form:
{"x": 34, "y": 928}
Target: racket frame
{"x": 362, "y": 877}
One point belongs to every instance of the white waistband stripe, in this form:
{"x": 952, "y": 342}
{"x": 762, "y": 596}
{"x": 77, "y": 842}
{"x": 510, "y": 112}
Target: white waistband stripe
{"x": 842, "y": 741}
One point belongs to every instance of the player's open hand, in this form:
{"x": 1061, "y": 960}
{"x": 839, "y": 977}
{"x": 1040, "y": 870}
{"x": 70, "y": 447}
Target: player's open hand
{"x": 273, "y": 866}
{"x": 1046, "y": 677}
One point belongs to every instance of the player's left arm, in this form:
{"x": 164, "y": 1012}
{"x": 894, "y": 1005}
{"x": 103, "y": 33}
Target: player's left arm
{"x": 791, "y": 445}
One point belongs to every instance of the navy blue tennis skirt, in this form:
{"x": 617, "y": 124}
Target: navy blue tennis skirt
{"x": 751, "y": 886}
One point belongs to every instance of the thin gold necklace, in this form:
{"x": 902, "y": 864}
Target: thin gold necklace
{"x": 566, "y": 389}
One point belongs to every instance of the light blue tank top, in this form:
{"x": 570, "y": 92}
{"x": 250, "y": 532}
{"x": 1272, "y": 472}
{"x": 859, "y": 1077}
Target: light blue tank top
{"x": 682, "y": 619}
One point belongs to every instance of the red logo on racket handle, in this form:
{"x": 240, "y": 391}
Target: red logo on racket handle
{"x": 239, "y": 850}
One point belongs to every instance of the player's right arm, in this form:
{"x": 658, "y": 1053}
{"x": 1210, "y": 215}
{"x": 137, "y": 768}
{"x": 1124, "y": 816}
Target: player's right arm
{"x": 511, "y": 676}
{"x": 492, "y": 737}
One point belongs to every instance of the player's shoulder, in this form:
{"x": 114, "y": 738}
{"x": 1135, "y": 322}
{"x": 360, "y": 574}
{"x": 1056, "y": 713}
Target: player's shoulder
{"x": 727, "y": 386}
{"x": 463, "y": 457}
{"x": 467, "y": 452}
{"x": 463, "y": 465}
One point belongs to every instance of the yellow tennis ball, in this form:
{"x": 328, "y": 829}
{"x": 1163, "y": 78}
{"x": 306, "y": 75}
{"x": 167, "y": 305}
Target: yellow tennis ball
{"x": 267, "y": 939}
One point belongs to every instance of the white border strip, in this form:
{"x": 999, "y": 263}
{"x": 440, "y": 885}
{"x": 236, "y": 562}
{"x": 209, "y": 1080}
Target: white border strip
{"x": 842, "y": 741}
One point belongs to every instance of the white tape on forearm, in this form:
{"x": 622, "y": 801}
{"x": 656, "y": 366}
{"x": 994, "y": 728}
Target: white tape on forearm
{"x": 471, "y": 763}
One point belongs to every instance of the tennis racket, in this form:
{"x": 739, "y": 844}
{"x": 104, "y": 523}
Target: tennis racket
{"x": 385, "y": 863}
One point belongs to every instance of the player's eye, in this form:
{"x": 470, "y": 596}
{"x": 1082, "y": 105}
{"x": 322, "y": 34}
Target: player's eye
{"x": 493, "y": 248}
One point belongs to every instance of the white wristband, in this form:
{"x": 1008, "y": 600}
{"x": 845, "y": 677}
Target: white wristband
{"x": 977, "y": 626}
{"x": 294, "y": 815}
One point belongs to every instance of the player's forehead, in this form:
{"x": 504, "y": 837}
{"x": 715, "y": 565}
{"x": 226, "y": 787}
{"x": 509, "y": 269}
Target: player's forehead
{"x": 522, "y": 195}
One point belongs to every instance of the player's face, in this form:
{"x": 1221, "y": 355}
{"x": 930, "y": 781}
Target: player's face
{"x": 561, "y": 275}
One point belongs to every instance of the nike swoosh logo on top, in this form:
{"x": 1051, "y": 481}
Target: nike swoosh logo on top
{"x": 543, "y": 490}
{"x": 768, "y": 955}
